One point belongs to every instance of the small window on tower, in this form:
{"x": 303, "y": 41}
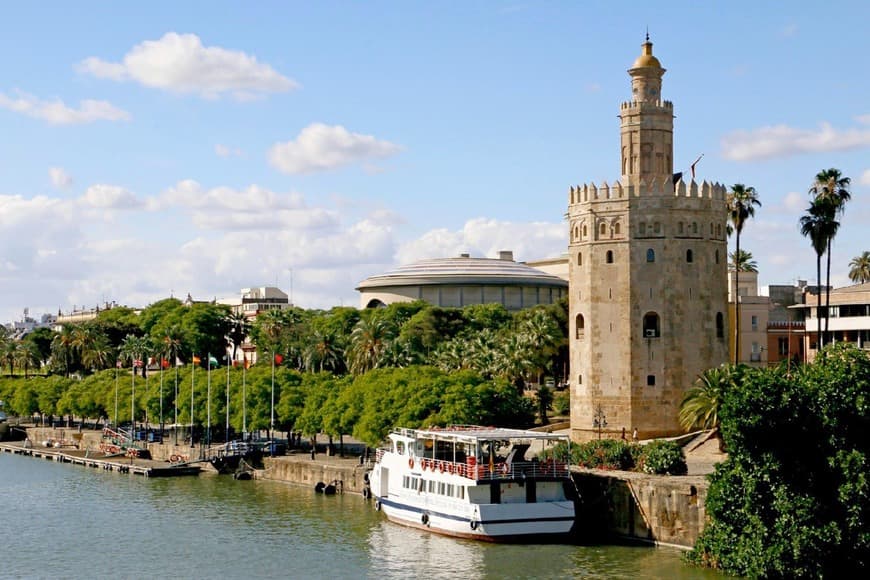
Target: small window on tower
{"x": 579, "y": 258}
{"x": 642, "y": 228}
{"x": 609, "y": 257}
{"x": 689, "y": 256}
{"x": 651, "y": 328}
{"x": 580, "y": 327}
{"x": 616, "y": 229}
{"x": 680, "y": 228}
{"x": 717, "y": 256}
{"x": 602, "y": 230}
{"x": 650, "y": 380}
{"x": 650, "y": 255}
{"x": 584, "y": 231}
{"x": 720, "y": 325}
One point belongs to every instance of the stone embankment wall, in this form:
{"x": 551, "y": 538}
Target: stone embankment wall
{"x": 651, "y": 508}
{"x": 300, "y": 469}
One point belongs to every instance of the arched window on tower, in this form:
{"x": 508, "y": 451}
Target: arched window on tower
{"x": 695, "y": 228}
{"x": 717, "y": 256}
{"x": 580, "y": 327}
{"x": 720, "y": 325}
{"x": 584, "y": 231}
{"x": 609, "y": 257}
{"x": 689, "y": 256}
{"x": 602, "y": 230}
{"x": 616, "y": 229}
{"x": 651, "y": 328}
{"x": 579, "y": 258}
{"x": 650, "y": 255}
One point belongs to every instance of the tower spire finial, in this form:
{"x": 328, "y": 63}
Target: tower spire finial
{"x": 647, "y": 33}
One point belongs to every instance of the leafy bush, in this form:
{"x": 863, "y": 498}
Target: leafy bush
{"x": 662, "y": 458}
{"x": 793, "y": 497}
{"x": 562, "y": 403}
{"x": 604, "y": 454}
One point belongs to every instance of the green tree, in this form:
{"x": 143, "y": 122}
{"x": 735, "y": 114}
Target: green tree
{"x": 793, "y": 497}
{"x": 699, "y": 408}
{"x": 743, "y": 262}
{"x": 816, "y": 225}
{"x": 63, "y": 347}
{"x": 831, "y": 186}
{"x": 41, "y": 339}
{"x": 368, "y": 342}
{"x": 26, "y": 356}
{"x": 859, "y": 268}
{"x": 741, "y": 202}
{"x": 239, "y": 328}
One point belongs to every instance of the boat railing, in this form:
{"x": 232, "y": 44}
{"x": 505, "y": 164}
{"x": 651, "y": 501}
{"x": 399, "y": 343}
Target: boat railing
{"x": 497, "y": 470}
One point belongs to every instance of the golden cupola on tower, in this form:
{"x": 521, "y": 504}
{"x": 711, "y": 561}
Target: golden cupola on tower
{"x": 646, "y": 58}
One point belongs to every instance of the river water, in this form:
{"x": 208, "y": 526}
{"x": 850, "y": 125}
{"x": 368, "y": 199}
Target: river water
{"x": 63, "y": 520}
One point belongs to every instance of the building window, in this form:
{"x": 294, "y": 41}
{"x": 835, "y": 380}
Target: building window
{"x": 602, "y": 230}
{"x": 717, "y": 256}
{"x": 579, "y": 258}
{"x": 783, "y": 347}
{"x": 755, "y": 355}
{"x": 616, "y": 229}
{"x": 642, "y": 228}
{"x": 580, "y": 329}
{"x": 650, "y": 380}
{"x": 579, "y": 379}
{"x": 689, "y": 256}
{"x": 680, "y": 228}
{"x": 584, "y": 231}
{"x": 720, "y": 325}
{"x": 651, "y": 327}
{"x": 609, "y": 257}
{"x": 650, "y": 255}
{"x": 695, "y": 228}
{"x": 754, "y": 323}
{"x": 658, "y": 228}
{"x": 576, "y": 233}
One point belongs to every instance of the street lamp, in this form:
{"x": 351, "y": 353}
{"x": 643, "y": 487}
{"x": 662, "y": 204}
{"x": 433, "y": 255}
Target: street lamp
{"x": 599, "y": 420}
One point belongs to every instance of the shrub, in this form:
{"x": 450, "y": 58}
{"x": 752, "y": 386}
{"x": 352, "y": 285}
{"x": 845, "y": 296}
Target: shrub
{"x": 604, "y": 454}
{"x": 562, "y": 403}
{"x": 662, "y": 458}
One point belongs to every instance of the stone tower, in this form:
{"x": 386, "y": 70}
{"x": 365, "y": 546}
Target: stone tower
{"x": 647, "y": 281}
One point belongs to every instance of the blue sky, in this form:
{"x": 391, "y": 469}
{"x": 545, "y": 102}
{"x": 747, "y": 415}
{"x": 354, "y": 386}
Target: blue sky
{"x": 203, "y": 147}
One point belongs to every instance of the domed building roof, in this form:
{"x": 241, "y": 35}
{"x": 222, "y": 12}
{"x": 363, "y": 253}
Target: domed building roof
{"x": 646, "y": 59}
{"x": 463, "y": 270}
{"x": 464, "y": 281}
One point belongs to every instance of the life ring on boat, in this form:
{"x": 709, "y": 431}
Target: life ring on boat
{"x": 449, "y": 468}
{"x": 505, "y": 468}
{"x": 174, "y": 458}
{"x": 411, "y": 463}
{"x": 425, "y": 519}
{"x": 441, "y": 467}
{"x": 377, "y": 505}
{"x": 473, "y": 524}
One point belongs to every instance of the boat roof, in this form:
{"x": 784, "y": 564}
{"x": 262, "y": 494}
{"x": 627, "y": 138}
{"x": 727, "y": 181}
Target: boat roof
{"x": 472, "y": 433}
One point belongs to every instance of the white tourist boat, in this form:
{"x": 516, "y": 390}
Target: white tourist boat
{"x": 474, "y": 482}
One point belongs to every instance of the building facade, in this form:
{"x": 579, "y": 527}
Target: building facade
{"x": 464, "y": 281}
{"x": 648, "y": 288}
{"x": 849, "y": 320}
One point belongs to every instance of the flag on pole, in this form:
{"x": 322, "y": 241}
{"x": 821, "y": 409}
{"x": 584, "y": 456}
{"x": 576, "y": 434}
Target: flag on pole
{"x": 246, "y": 361}
{"x": 196, "y": 360}
{"x": 164, "y": 363}
{"x": 118, "y": 363}
{"x": 278, "y": 359}
{"x": 212, "y": 361}
{"x": 137, "y": 363}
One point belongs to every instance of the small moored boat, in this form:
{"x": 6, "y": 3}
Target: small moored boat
{"x": 474, "y": 482}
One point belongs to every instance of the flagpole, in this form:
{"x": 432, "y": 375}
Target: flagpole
{"x": 272, "y": 416}
{"x": 192, "y": 387}
{"x": 115, "y": 422}
{"x": 244, "y": 394}
{"x": 227, "y": 431}
{"x": 132, "y": 400}
{"x": 208, "y": 399}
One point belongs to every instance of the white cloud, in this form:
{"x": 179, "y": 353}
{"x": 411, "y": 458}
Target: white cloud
{"x": 783, "y": 141}
{"x": 226, "y": 151}
{"x": 103, "y": 196}
{"x": 56, "y": 112}
{"x": 59, "y": 177}
{"x": 865, "y": 177}
{"x": 320, "y": 147}
{"x": 794, "y": 201}
{"x": 484, "y": 238}
{"x": 180, "y": 63}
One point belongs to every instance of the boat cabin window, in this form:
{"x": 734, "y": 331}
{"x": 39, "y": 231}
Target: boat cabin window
{"x": 400, "y": 447}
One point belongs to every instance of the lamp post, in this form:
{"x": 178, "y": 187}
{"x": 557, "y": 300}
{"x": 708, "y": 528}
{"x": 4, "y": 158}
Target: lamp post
{"x": 599, "y": 420}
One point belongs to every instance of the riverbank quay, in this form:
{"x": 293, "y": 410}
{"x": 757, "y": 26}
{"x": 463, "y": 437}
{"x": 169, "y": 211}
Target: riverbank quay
{"x": 99, "y": 460}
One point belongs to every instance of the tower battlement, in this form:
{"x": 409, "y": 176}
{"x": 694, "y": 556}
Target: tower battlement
{"x": 589, "y": 192}
{"x": 644, "y": 106}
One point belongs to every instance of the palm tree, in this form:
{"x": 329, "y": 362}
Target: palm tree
{"x": 743, "y": 262}
{"x": 830, "y": 185}
{"x": 368, "y": 342}
{"x": 815, "y": 225}
{"x": 135, "y": 349}
{"x": 92, "y": 347}
{"x": 859, "y": 268}
{"x": 322, "y": 353}
{"x": 239, "y": 330}
{"x": 741, "y": 206}
{"x": 700, "y": 406}
{"x": 8, "y": 351}
{"x": 63, "y": 346}
{"x": 26, "y": 356}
